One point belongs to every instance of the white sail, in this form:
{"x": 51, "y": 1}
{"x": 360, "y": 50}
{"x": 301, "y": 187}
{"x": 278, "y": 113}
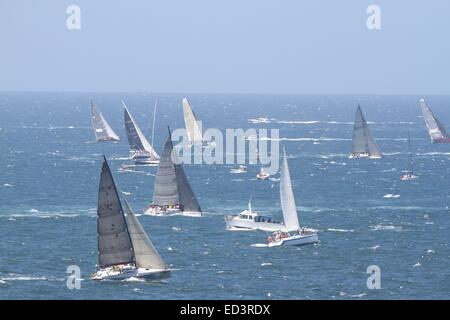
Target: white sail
{"x": 193, "y": 130}
{"x": 287, "y": 198}
{"x": 363, "y": 142}
{"x": 136, "y": 139}
{"x": 435, "y": 129}
{"x": 102, "y": 129}
{"x": 145, "y": 253}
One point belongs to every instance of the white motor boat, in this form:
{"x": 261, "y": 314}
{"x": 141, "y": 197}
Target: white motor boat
{"x": 251, "y": 220}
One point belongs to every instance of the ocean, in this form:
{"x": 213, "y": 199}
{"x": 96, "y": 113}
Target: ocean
{"x": 50, "y": 167}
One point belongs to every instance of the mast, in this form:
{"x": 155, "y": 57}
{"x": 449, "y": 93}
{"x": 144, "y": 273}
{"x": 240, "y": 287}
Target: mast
{"x": 410, "y": 153}
{"x": 154, "y": 119}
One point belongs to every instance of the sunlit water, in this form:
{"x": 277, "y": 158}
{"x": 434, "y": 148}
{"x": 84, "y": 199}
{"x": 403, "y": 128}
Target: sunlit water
{"x": 365, "y": 215}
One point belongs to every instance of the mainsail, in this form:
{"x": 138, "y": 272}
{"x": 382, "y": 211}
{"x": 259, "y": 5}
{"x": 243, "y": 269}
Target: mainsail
{"x": 171, "y": 184}
{"x": 362, "y": 140}
{"x": 136, "y": 139}
{"x": 165, "y": 192}
{"x": 114, "y": 242}
{"x": 103, "y": 131}
{"x": 435, "y": 128}
{"x": 145, "y": 253}
{"x": 193, "y": 130}
{"x": 287, "y": 198}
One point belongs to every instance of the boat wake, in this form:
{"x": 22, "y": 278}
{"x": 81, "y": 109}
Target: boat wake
{"x": 259, "y": 245}
{"x": 379, "y": 227}
{"x": 340, "y": 230}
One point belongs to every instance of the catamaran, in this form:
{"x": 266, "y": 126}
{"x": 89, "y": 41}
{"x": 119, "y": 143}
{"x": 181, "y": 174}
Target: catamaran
{"x": 435, "y": 128}
{"x": 124, "y": 248}
{"x": 409, "y": 175}
{"x": 172, "y": 193}
{"x": 363, "y": 144}
{"x": 141, "y": 151}
{"x": 252, "y": 220}
{"x": 292, "y": 234}
{"x": 262, "y": 175}
{"x": 102, "y": 129}
{"x": 193, "y": 129}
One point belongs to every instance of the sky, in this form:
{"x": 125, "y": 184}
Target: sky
{"x": 226, "y": 46}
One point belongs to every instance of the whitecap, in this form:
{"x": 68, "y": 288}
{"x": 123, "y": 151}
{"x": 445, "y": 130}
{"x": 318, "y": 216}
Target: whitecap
{"x": 340, "y": 230}
{"x": 383, "y": 227}
{"x": 391, "y": 196}
{"x": 265, "y": 264}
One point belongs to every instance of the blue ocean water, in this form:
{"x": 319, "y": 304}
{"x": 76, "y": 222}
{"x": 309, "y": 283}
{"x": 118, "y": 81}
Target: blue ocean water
{"x": 365, "y": 215}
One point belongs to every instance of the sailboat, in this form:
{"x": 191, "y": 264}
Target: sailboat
{"x": 409, "y": 175}
{"x": 363, "y": 144}
{"x": 141, "y": 151}
{"x": 262, "y": 175}
{"x": 435, "y": 128}
{"x": 102, "y": 129}
{"x": 193, "y": 130}
{"x": 124, "y": 249}
{"x": 172, "y": 193}
{"x": 252, "y": 220}
{"x": 292, "y": 235}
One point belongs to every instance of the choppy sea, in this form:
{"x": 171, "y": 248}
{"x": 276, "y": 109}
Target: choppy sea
{"x": 49, "y": 174}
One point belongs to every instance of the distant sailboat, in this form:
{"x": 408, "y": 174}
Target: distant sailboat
{"x": 435, "y": 128}
{"x": 193, "y": 129}
{"x": 293, "y": 234}
{"x": 102, "y": 129}
{"x": 262, "y": 175}
{"x": 363, "y": 144}
{"x": 409, "y": 175}
{"x": 124, "y": 249}
{"x": 172, "y": 193}
{"x": 141, "y": 151}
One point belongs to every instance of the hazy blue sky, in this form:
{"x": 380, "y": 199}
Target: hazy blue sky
{"x": 250, "y": 46}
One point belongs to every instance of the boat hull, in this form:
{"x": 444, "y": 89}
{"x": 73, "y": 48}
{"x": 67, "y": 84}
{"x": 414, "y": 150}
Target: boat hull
{"x": 171, "y": 212}
{"x": 296, "y": 240}
{"x": 138, "y": 273}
